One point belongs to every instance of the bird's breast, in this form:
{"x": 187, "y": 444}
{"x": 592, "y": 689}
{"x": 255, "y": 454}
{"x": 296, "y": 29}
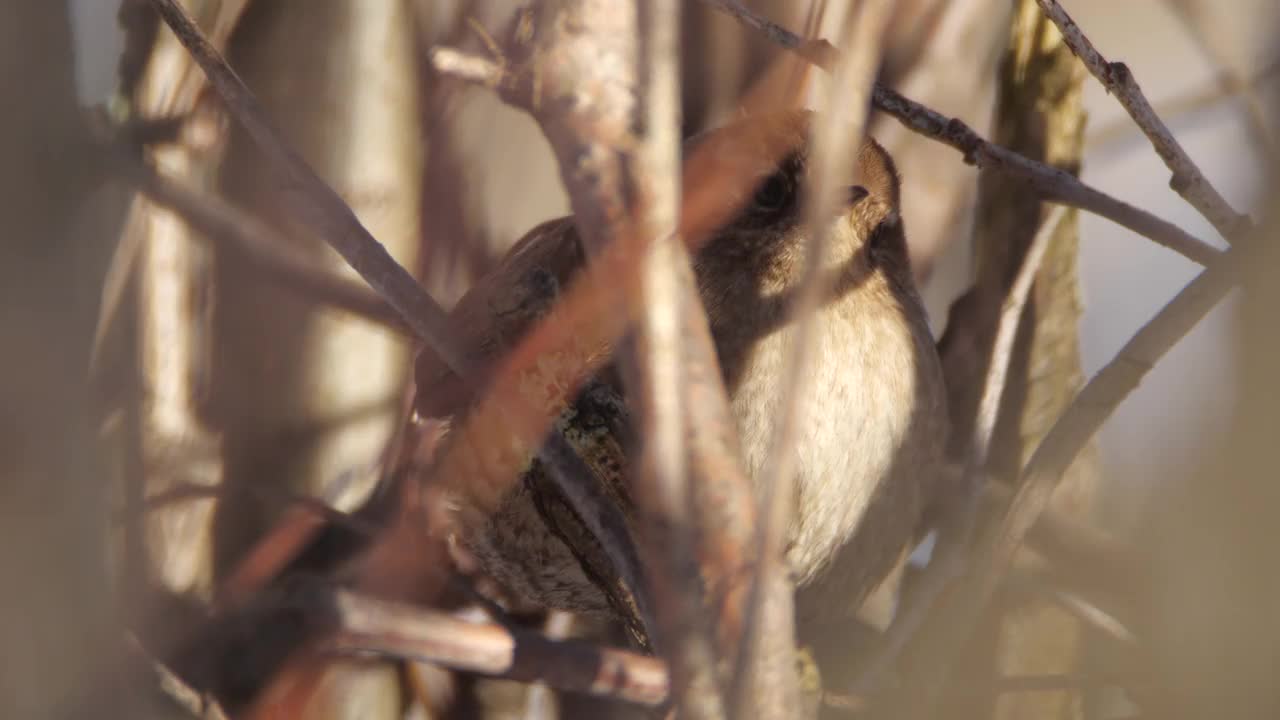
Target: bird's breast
{"x": 872, "y": 387}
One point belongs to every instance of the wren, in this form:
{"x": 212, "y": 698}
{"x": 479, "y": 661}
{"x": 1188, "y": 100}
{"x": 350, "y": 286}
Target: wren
{"x": 868, "y": 455}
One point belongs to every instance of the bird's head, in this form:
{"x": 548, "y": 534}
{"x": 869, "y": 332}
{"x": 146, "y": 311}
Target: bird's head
{"x": 762, "y": 164}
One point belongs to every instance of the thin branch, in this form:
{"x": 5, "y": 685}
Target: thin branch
{"x": 658, "y": 379}
{"x": 468, "y": 68}
{"x": 1107, "y": 389}
{"x": 950, "y": 555}
{"x": 658, "y": 303}
{"x": 1006, "y": 333}
{"x": 836, "y": 134}
{"x": 1188, "y": 181}
{"x": 220, "y": 221}
{"x": 1081, "y": 555}
{"x": 189, "y": 491}
{"x": 314, "y": 201}
{"x": 367, "y": 626}
{"x": 541, "y": 703}
{"x": 191, "y": 701}
{"x": 1050, "y": 183}
{"x": 586, "y": 134}
{"x": 1087, "y": 610}
{"x": 775, "y": 32}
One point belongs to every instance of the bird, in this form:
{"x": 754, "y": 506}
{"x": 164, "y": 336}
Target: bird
{"x": 867, "y": 459}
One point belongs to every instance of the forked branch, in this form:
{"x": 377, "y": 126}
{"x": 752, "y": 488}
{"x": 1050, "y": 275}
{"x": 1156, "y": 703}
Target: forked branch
{"x": 1050, "y": 183}
{"x": 1188, "y": 181}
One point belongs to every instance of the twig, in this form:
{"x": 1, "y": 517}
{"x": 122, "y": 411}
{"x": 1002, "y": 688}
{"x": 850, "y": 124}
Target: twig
{"x": 1087, "y": 610}
{"x": 950, "y": 555}
{"x": 222, "y": 222}
{"x": 159, "y": 85}
{"x": 541, "y": 703}
{"x": 999, "y": 542}
{"x": 1080, "y": 554}
{"x": 658, "y": 305}
{"x": 164, "y": 275}
{"x": 775, "y": 32}
{"x": 192, "y": 702}
{"x": 836, "y": 134}
{"x": 1188, "y": 181}
{"x": 1006, "y": 333}
{"x": 468, "y": 68}
{"x": 658, "y": 380}
{"x": 315, "y": 202}
{"x": 188, "y": 491}
{"x": 1107, "y": 389}
{"x": 367, "y": 626}
{"x": 1049, "y": 182}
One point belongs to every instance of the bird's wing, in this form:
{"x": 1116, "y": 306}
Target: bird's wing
{"x": 497, "y": 312}
{"x": 490, "y": 320}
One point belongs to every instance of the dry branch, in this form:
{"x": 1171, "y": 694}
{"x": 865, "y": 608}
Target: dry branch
{"x": 1006, "y": 333}
{"x": 368, "y": 626}
{"x": 159, "y": 356}
{"x": 836, "y": 134}
{"x": 221, "y": 222}
{"x": 666, "y": 308}
{"x": 1040, "y": 113}
{"x": 311, "y": 198}
{"x": 950, "y": 556}
{"x": 1188, "y": 181}
{"x": 1050, "y": 183}
{"x": 1085, "y": 608}
{"x": 190, "y": 492}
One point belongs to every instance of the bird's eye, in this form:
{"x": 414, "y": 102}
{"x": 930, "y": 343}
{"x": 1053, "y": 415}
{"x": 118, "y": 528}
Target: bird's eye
{"x": 775, "y": 195}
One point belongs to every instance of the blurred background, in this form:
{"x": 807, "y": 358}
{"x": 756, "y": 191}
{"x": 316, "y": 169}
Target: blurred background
{"x": 182, "y": 364}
